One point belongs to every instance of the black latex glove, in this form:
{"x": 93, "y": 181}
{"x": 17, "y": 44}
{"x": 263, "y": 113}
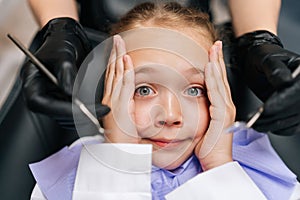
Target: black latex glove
{"x": 268, "y": 68}
{"x": 64, "y": 47}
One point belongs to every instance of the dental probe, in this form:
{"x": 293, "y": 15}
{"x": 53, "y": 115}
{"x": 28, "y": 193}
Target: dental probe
{"x": 242, "y": 125}
{"x": 42, "y": 67}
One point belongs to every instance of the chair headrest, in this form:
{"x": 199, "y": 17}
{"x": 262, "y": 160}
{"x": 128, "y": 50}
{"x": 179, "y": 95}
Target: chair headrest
{"x": 100, "y": 14}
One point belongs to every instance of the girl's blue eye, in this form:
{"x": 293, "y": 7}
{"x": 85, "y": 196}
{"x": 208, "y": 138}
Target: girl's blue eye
{"x": 143, "y": 91}
{"x": 194, "y": 91}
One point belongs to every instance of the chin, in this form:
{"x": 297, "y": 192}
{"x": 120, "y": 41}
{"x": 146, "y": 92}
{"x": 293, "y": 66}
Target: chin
{"x": 167, "y": 166}
{"x": 169, "y": 162}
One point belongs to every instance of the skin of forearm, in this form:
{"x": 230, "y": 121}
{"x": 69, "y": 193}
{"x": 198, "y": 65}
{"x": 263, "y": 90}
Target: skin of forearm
{"x": 45, "y": 10}
{"x": 252, "y": 15}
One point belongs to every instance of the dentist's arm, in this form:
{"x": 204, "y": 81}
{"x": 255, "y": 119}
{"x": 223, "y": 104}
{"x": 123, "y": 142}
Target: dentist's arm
{"x": 252, "y": 15}
{"x": 45, "y": 10}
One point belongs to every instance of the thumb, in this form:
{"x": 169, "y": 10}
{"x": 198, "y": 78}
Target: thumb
{"x": 66, "y": 76}
{"x": 283, "y": 99}
{"x": 277, "y": 72}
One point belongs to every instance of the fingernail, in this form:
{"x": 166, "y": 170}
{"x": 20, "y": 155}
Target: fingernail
{"x": 216, "y": 48}
{"x": 116, "y": 40}
{"x": 125, "y": 59}
{"x": 220, "y": 45}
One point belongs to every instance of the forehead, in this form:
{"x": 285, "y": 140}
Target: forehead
{"x": 164, "y": 68}
{"x": 147, "y": 60}
{"x": 165, "y": 46}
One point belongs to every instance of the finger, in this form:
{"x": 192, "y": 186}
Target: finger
{"x": 223, "y": 84}
{"x": 216, "y": 66}
{"x": 67, "y": 77}
{"x": 119, "y": 69}
{"x": 112, "y": 59}
{"x": 121, "y": 51}
{"x": 223, "y": 67}
{"x": 267, "y": 121}
{"x": 218, "y": 108}
{"x": 294, "y": 64}
{"x": 110, "y": 71}
{"x": 284, "y": 126}
{"x": 213, "y": 53}
{"x": 211, "y": 67}
{"x": 215, "y": 127}
{"x": 222, "y": 107}
{"x": 210, "y": 84}
{"x": 220, "y": 100}
{"x": 213, "y": 91}
{"x": 293, "y": 130}
{"x": 128, "y": 84}
{"x": 128, "y": 71}
{"x": 287, "y": 98}
{"x": 112, "y": 56}
{"x": 216, "y": 56}
{"x": 41, "y": 93}
{"x": 277, "y": 72}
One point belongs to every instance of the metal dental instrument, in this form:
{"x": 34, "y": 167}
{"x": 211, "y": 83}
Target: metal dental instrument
{"x": 243, "y": 125}
{"x": 42, "y": 67}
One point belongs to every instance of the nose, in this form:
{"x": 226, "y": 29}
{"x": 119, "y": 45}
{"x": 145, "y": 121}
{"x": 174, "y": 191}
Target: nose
{"x": 170, "y": 115}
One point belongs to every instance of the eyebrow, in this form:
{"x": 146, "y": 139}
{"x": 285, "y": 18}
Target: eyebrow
{"x": 193, "y": 70}
{"x": 146, "y": 70}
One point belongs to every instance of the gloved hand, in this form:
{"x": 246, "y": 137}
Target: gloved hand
{"x": 62, "y": 51}
{"x": 268, "y": 68}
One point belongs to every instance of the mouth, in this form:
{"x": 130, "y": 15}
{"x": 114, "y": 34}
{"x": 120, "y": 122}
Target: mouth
{"x": 165, "y": 143}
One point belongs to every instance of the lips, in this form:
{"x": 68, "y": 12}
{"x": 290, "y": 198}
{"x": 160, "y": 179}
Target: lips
{"x": 165, "y": 142}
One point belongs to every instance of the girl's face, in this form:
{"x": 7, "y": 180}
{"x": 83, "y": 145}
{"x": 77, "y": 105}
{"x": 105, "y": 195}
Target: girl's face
{"x": 171, "y": 106}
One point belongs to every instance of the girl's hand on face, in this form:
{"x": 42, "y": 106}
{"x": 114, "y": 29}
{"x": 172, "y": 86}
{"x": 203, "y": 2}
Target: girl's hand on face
{"x": 215, "y": 148}
{"x": 118, "y": 95}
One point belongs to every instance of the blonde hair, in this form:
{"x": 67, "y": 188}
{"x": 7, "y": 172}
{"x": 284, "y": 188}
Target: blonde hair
{"x": 169, "y": 15}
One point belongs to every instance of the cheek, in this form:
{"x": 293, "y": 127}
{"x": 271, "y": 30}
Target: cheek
{"x": 198, "y": 118}
{"x": 205, "y": 116}
{"x": 142, "y": 114}
{"x": 204, "y": 120}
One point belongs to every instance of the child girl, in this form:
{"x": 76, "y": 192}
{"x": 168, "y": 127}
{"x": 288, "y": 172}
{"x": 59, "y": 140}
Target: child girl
{"x": 167, "y": 88}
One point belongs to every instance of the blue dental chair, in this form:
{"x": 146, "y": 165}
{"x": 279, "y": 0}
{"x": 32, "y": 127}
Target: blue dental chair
{"x": 27, "y": 137}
